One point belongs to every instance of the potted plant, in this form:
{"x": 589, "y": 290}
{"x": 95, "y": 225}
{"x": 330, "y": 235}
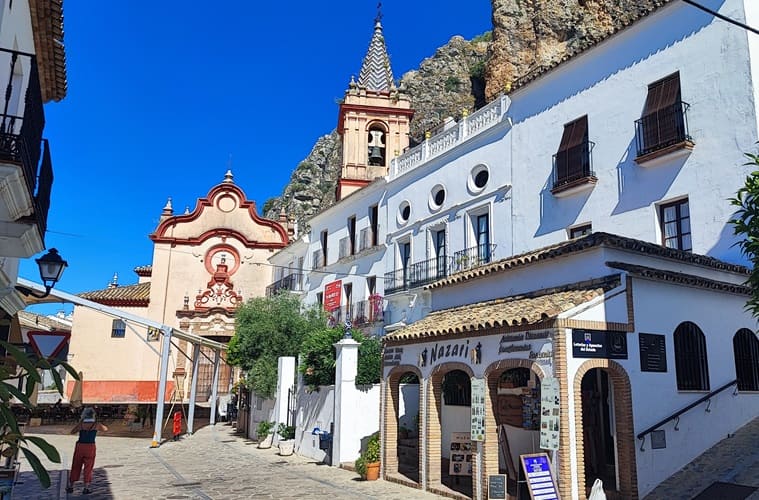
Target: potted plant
{"x": 286, "y": 439}
{"x": 368, "y": 464}
{"x": 265, "y": 433}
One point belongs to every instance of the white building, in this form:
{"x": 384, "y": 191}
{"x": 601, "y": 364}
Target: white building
{"x": 33, "y": 72}
{"x": 640, "y": 135}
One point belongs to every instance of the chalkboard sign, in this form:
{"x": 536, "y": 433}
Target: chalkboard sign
{"x": 653, "y": 352}
{"x": 497, "y": 487}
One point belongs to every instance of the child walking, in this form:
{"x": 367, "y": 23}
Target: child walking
{"x": 84, "y": 452}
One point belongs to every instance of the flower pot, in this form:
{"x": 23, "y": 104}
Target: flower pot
{"x": 287, "y": 447}
{"x": 372, "y": 471}
{"x": 266, "y": 442}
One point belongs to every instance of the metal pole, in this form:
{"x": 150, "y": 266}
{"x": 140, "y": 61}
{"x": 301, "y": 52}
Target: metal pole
{"x": 193, "y": 387}
{"x": 215, "y": 386}
{"x": 164, "y": 372}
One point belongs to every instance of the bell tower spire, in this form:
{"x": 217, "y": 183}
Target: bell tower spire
{"x": 374, "y": 118}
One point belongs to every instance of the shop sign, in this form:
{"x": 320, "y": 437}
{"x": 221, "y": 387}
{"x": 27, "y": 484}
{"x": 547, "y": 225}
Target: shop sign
{"x": 510, "y": 342}
{"x": 332, "y": 295}
{"x": 537, "y": 472}
{"x": 599, "y": 344}
{"x": 549, "y": 413}
{"x": 392, "y": 356}
{"x": 451, "y": 351}
{"x": 478, "y": 409}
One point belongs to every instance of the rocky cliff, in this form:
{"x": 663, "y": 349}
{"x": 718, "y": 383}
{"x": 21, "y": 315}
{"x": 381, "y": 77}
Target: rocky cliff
{"x": 444, "y": 84}
{"x": 530, "y": 36}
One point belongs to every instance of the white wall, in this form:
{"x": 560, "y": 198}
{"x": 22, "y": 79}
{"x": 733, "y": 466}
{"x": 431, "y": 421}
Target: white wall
{"x": 315, "y": 409}
{"x": 408, "y": 409}
{"x": 453, "y": 419}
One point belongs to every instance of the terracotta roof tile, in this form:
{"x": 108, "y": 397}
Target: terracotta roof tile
{"x": 125, "y": 296}
{"x": 38, "y": 321}
{"x": 586, "y": 242}
{"x": 144, "y": 270}
{"x": 517, "y": 310}
{"x": 680, "y": 278}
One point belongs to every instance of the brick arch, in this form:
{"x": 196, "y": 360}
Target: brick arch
{"x": 390, "y": 427}
{"x": 433, "y": 425}
{"x": 623, "y": 415}
{"x": 490, "y": 450}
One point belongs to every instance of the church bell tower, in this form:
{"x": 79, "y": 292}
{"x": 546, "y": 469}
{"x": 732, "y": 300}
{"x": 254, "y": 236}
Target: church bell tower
{"x": 374, "y": 120}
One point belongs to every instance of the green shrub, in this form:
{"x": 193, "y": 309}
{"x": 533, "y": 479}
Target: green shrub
{"x": 264, "y": 429}
{"x": 286, "y": 431}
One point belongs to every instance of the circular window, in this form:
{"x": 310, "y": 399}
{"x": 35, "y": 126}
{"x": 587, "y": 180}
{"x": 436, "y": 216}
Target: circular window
{"x": 478, "y": 178}
{"x": 437, "y": 197}
{"x": 404, "y": 212}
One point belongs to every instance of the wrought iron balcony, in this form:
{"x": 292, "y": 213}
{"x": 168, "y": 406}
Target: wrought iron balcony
{"x": 22, "y": 145}
{"x": 291, "y": 283}
{"x": 360, "y": 313}
{"x": 662, "y": 129}
{"x": 473, "y": 257}
{"x": 573, "y": 166}
{"x": 418, "y": 274}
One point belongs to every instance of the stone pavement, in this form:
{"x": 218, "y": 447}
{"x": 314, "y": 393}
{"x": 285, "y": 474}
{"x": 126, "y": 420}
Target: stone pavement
{"x": 214, "y": 463}
{"x": 733, "y": 460}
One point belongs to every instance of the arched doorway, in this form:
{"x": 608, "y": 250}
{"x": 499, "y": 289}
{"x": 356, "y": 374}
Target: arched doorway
{"x": 604, "y": 428}
{"x": 402, "y": 438}
{"x": 455, "y": 425}
{"x": 408, "y": 426}
{"x": 598, "y": 424}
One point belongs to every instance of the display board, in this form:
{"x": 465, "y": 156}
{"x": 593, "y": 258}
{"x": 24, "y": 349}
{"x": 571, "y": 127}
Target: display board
{"x": 478, "y": 409}
{"x": 549, "y": 413}
{"x": 653, "y": 352}
{"x": 461, "y": 454}
{"x": 537, "y": 474}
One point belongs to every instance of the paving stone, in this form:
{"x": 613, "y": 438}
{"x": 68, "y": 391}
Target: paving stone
{"x": 214, "y": 463}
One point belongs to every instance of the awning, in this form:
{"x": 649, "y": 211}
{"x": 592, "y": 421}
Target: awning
{"x": 517, "y": 310}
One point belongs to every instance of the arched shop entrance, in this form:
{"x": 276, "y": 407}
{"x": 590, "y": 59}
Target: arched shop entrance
{"x": 450, "y": 453}
{"x": 402, "y": 436}
{"x": 604, "y": 428}
{"x": 513, "y": 425}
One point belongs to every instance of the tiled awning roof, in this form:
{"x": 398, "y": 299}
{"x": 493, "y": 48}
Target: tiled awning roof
{"x": 144, "y": 270}
{"x": 584, "y": 243}
{"x": 125, "y": 296}
{"x": 517, "y": 310}
{"x": 40, "y": 322}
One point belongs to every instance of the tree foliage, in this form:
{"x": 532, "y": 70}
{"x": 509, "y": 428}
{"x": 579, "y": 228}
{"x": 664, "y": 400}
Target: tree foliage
{"x": 20, "y": 366}
{"x": 745, "y": 223}
{"x": 265, "y": 329}
{"x": 318, "y": 355}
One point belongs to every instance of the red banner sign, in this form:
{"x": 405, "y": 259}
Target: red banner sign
{"x": 332, "y": 295}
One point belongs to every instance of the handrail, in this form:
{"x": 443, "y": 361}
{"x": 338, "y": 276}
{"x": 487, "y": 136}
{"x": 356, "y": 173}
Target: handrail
{"x": 676, "y": 415}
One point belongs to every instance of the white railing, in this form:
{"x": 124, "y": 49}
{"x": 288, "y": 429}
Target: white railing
{"x": 476, "y": 123}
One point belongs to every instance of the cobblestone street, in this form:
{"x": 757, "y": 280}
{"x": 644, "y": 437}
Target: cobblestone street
{"x": 214, "y": 463}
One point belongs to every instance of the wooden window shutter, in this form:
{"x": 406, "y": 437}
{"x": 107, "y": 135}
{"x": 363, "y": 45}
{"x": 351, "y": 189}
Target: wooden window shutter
{"x": 575, "y": 133}
{"x": 662, "y": 93}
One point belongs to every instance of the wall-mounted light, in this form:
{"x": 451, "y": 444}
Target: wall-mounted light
{"x": 51, "y": 269}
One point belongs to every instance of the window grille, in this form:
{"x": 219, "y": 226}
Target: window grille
{"x": 457, "y": 389}
{"x": 746, "y": 352}
{"x": 118, "y": 329}
{"x": 691, "y": 362}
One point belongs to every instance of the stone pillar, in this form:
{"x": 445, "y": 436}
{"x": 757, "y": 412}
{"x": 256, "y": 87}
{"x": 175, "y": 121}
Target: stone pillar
{"x": 346, "y": 441}
{"x": 285, "y": 381}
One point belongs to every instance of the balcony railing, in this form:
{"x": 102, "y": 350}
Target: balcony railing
{"x": 360, "y": 313}
{"x": 573, "y": 164}
{"x": 21, "y": 136}
{"x": 663, "y": 128}
{"x": 418, "y": 274}
{"x": 291, "y": 283}
{"x": 474, "y": 257}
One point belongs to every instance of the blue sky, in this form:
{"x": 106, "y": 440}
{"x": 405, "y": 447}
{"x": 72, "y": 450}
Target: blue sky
{"x": 162, "y": 93}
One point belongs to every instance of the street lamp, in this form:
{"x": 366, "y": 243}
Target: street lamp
{"x": 51, "y": 268}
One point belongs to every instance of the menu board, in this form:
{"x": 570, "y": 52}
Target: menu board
{"x": 537, "y": 472}
{"x": 461, "y": 454}
{"x": 653, "y": 352}
{"x": 478, "y": 409}
{"x": 549, "y": 413}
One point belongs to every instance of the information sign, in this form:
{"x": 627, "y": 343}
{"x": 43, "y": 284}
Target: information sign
{"x": 537, "y": 472}
{"x": 461, "y": 454}
{"x": 653, "y": 352}
{"x": 332, "y": 295}
{"x": 549, "y": 413}
{"x": 497, "y": 487}
{"x": 478, "y": 409}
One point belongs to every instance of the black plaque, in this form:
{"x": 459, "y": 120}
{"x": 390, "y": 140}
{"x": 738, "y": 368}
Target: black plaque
{"x": 658, "y": 440}
{"x": 497, "y": 486}
{"x": 653, "y": 352}
{"x": 599, "y": 344}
